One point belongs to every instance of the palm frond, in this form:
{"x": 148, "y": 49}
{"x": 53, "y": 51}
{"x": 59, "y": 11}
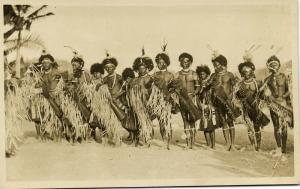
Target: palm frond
{"x": 22, "y": 8}
{"x": 32, "y": 42}
{"x": 41, "y": 16}
{"x": 9, "y": 14}
{"x": 9, "y": 33}
{"x": 35, "y": 13}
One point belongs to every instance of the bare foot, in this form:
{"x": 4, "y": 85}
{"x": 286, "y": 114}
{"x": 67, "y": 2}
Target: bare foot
{"x": 228, "y": 147}
{"x": 233, "y": 148}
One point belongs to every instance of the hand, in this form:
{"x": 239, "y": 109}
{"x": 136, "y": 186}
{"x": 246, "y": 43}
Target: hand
{"x": 45, "y": 91}
{"x": 38, "y": 90}
{"x": 46, "y": 94}
{"x": 285, "y": 95}
{"x": 98, "y": 86}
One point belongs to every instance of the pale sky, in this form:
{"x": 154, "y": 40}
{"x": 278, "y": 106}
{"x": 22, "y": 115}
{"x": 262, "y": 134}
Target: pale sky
{"x": 124, "y": 30}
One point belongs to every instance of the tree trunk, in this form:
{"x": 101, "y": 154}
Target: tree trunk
{"x": 18, "y": 60}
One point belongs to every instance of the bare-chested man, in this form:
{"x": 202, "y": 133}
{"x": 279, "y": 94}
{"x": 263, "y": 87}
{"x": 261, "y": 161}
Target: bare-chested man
{"x": 222, "y": 92}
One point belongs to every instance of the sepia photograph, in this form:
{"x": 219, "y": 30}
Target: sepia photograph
{"x": 148, "y": 94}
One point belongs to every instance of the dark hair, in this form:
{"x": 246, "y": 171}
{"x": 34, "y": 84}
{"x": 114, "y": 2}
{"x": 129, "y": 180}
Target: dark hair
{"x": 163, "y": 56}
{"x": 221, "y": 59}
{"x": 203, "y": 68}
{"x": 273, "y": 58}
{"x": 146, "y": 61}
{"x": 111, "y": 60}
{"x": 46, "y": 56}
{"x": 79, "y": 60}
{"x": 185, "y": 55}
{"x": 97, "y": 67}
{"x": 246, "y": 64}
{"x": 127, "y": 73}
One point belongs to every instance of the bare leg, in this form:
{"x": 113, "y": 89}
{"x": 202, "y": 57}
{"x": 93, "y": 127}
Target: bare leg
{"x": 207, "y": 138}
{"x": 129, "y": 138}
{"x": 232, "y": 138}
{"x": 226, "y": 136}
{"x": 277, "y": 134}
{"x": 284, "y": 139}
{"x": 193, "y": 133}
{"x": 213, "y": 139}
{"x": 257, "y": 137}
{"x": 232, "y": 134}
{"x": 187, "y": 128}
{"x": 168, "y": 143}
{"x": 192, "y": 139}
{"x": 38, "y": 130}
{"x": 251, "y": 137}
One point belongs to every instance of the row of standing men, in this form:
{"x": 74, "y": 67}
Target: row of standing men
{"x": 200, "y": 96}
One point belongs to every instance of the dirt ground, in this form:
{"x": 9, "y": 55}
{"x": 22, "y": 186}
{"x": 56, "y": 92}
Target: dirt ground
{"x": 46, "y": 161}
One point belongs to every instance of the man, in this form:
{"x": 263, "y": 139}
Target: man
{"x": 280, "y": 97}
{"x": 139, "y": 93}
{"x": 161, "y": 80}
{"x": 49, "y": 81}
{"x": 97, "y": 72}
{"x": 78, "y": 78}
{"x": 99, "y": 103}
{"x": 79, "y": 75}
{"x": 130, "y": 123}
{"x": 208, "y": 117}
{"x": 222, "y": 92}
{"x": 189, "y": 83}
{"x": 163, "y": 77}
{"x": 114, "y": 83}
{"x": 249, "y": 95}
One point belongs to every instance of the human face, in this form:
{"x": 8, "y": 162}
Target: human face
{"x": 247, "y": 73}
{"x": 203, "y": 75}
{"x": 142, "y": 70}
{"x": 185, "y": 63}
{"x": 110, "y": 68}
{"x": 218, "y": 67}
{"x": 76, "y": 66}
{"x": 129, "y": 79}
{"x": 161, "y": 64}
{"x": 97, "y": 75}
{"x": 46, "y": 62}
{"x": 274, "y": 67}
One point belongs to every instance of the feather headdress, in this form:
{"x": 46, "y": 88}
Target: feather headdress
{"x": 143, "y": 60}
{"x": 273, "y": 63}
{"x": 76, "y": 56}
{"x": 45, "y": 55}
{"x": 109, "y": 60}
{"x": 163, "y": 55}
{"x": 214, "y": 52}
{"x": 248, "y": 55}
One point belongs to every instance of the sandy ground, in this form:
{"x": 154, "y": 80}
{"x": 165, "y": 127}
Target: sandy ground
{"x": 36, "y": 160}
